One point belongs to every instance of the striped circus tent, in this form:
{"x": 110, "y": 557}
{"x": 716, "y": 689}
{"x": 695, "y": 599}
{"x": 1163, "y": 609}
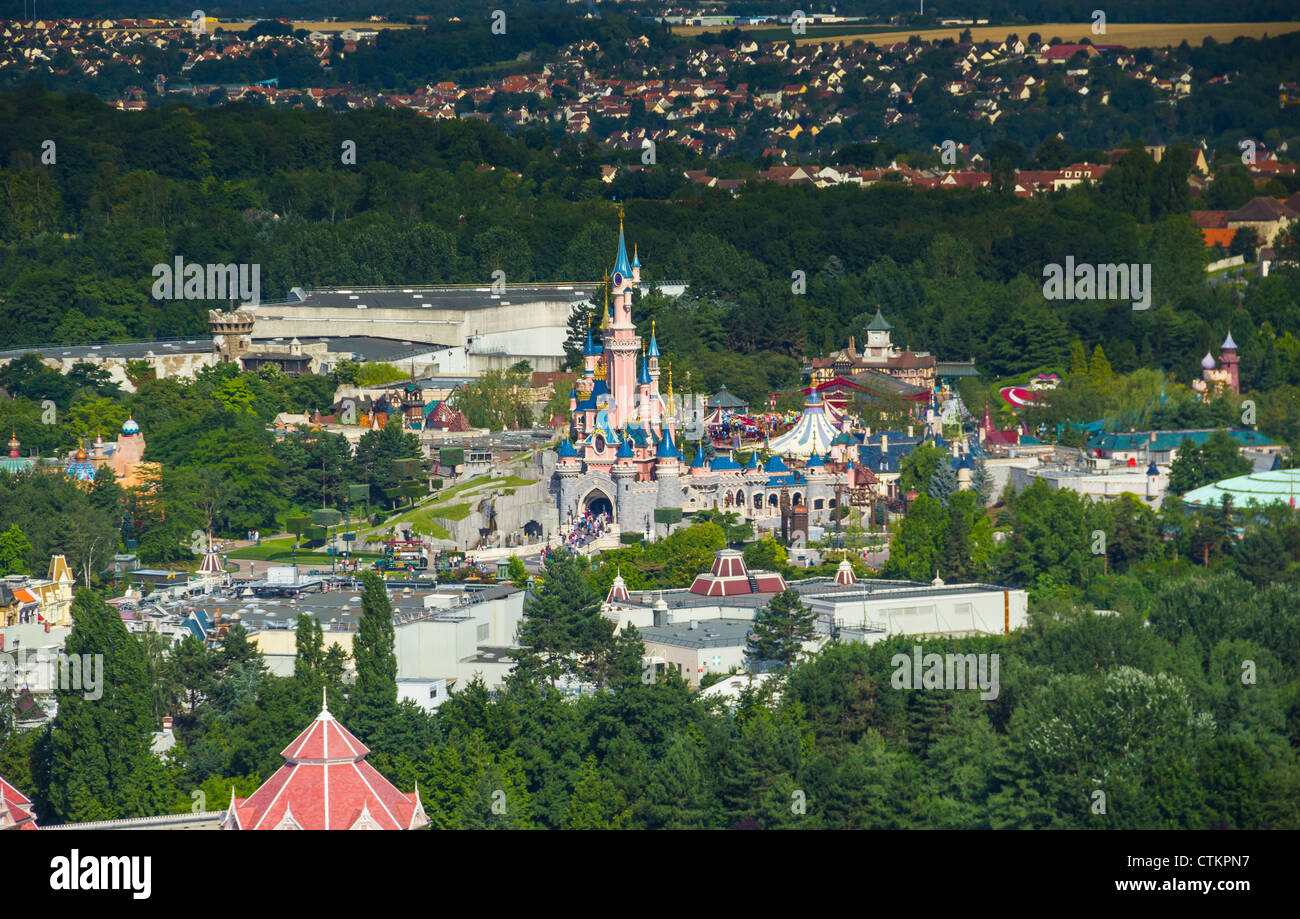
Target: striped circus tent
{"x": 812, "y": 433}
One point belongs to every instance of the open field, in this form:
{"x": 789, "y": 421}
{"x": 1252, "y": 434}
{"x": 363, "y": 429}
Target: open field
{"x": 1133, "y": 35}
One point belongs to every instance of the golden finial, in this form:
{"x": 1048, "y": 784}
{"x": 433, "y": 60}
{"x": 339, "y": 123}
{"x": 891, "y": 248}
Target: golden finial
{"x": 620, "y": 217}
{"x": 670, "y": 385}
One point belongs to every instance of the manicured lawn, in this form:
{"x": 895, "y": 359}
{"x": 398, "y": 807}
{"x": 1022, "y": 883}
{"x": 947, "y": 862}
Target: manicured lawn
{"x": 281, "y": 550}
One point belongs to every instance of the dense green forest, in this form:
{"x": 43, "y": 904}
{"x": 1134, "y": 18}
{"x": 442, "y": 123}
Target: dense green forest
{"x": 958, "y": 273}
{"x": 1181, "y": 709}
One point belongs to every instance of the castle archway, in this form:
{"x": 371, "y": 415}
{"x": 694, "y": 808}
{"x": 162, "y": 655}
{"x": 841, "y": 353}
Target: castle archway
{"x": 597, "y": 502}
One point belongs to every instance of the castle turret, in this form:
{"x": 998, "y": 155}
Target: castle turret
{"x": 1228, "y": 362}
{"x": 644, "y": 387}
{"x": 963, "y": 467}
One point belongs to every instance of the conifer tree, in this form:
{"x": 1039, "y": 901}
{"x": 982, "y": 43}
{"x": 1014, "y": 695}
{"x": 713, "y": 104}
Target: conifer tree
{"x": 942, "y": 483}
{"x": 374, "y": 696}
{"x": 563, "y": 632}
{"x": 96, "y": 748}
{"x": 780, "y": 630}
{"x": 981, "y": 481}
{"x": 596, "y": 802}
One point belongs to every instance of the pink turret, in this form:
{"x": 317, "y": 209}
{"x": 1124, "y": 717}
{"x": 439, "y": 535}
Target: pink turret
{"x": 1228, "y": 362}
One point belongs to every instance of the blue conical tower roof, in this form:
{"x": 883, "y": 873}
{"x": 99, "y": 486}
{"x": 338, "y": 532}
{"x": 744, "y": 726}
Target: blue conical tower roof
{"x": 644, "y": 375}
{"x": 621, "y": 265}
{"x": 636, "y": 259}
{"x": 654, "y": 343}
{"x": 698, "y": 462}
{"x": 591, "y": 349}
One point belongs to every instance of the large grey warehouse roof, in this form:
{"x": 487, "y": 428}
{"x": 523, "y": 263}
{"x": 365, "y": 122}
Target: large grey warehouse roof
{"x": 126, "y": 350}
{"x": 364, "y": 348}
{"x": 447, "y": 297}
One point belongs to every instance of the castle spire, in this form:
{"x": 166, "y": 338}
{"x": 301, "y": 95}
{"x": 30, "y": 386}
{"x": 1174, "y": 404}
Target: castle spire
{"x": 654, "y": 344}
{"x": 622, "y": 268}
{"x": 645, "y": 368}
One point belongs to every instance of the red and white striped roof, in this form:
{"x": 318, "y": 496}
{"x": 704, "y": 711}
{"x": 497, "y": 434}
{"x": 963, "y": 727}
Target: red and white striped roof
{"x": 618, "y": 591}
{"x": 326, "y": 784}
{"x": 727, "y": 578}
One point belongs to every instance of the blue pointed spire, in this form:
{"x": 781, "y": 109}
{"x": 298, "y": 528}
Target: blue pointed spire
{"x": 644, "y": 376}
{"x": 654, "y": 342}
{"x": 621, "y": 265}
{"x": 590, "y": 349}
{"x": 636, "y": 258}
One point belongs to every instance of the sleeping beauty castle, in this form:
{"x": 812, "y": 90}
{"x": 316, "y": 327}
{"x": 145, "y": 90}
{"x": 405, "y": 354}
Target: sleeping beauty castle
{"x": 621, "y": 458}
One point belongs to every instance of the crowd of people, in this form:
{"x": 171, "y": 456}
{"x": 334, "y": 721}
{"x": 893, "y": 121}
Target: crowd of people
{"x": 587, "y": 529}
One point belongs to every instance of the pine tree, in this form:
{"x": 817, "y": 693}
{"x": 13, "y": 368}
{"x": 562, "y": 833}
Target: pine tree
{"x": 96, "y": 747}
{"x": 563, "y": 632}
{"x": 1078, "y": 361}
{"x": 677, "y": 797}
{"x": 942, "y": 483}
{"x": 596, "y": 803}
{"x": 1098, "y": 367}
{"x": 583, "y": 316}
{"x": 780, "y": 630}
{"x": 981, "y": 481}
{"x": 374, "y": 696}
{"x": 626, "y": 659}
{"x": 310, "y": 646}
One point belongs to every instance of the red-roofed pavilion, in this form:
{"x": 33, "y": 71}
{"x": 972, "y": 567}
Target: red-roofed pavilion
{"x": 326, "y": 784}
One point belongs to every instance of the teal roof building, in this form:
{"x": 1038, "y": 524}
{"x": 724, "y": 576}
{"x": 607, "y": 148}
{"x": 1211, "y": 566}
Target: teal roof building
{"x": 1276, "y": 486}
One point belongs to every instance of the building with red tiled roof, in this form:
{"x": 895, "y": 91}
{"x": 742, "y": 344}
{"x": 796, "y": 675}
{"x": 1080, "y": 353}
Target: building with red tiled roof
{"x": 326, "y": 784}
{"x": 15, "y": 809}
{"x": 1214, "y": 227}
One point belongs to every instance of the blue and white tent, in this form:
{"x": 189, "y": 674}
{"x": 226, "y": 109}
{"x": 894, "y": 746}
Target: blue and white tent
{"x": 812, "y": 433}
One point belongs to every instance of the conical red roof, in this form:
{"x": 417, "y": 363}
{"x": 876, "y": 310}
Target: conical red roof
{"x": 15, "y": 809}
{"x": 326, "y": 784}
